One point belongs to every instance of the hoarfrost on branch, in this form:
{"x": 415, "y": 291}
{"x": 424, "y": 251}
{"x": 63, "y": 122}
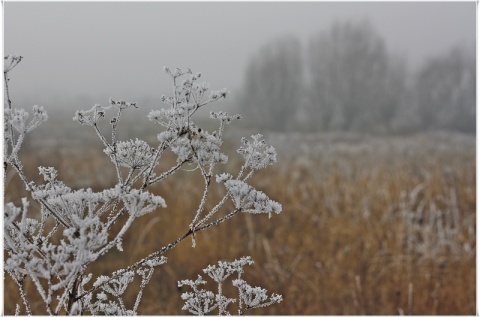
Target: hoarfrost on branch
{"x": 57, "y": 232}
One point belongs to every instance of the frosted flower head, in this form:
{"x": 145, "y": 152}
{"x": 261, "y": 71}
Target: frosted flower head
{"x": 117, "y": 286}
{"x": 224, "y": 117}
{"x": 237, "y": 265}
{"x": 10, "y": 61}
{"x": 122, "y": 104}
{"x": 200, "y": 301}
{"x": 18, "y": 120}
{"x": 256, "y": 152}
{"x": 215, "y": 95}
{"x": 11, "y": 212}
{"x": 198, "y": 146}
{"x": 39, "y": 116}
{"x": 255, "y": 296}
{"x": 223, "y": 177}
{"x": 139, "y": 203}
{"x": 133, "y": 154}
{"x": 250, "y": 200}
{"x": 166, "y": 136}
{"x": 49, "y": 173}
{"x": 90, "y": 117}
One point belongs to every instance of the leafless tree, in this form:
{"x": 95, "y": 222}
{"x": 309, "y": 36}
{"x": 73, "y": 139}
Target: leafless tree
{"x": 273, "y": 84}
{"x": 355, "y": 84}
{"x": 445, "y": 91}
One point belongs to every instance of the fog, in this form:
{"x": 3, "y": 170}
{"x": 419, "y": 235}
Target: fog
{"x": 368, "y": 111}
{"x": 78, "y": 54}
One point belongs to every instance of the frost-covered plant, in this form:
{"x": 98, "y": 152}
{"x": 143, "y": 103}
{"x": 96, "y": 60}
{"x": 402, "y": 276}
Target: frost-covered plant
{"x": 202, "y": 302}
{"x": 430, "y": 229}
{"x": 85, "y": 219}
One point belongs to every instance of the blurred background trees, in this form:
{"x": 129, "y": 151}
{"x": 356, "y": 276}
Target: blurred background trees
{"x": 346, "y": 79}
{"x": 273, "y": 83}
{"x": 354, "y": 83}
{"x": 445, "y": 90}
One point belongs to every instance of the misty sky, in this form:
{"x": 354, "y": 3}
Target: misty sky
{"x": 80, "y": 53}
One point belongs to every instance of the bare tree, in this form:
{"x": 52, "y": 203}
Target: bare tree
{"x": 354, "y": 83}
{"x": 445, "y": 91}
{"x": 273, "y": 84}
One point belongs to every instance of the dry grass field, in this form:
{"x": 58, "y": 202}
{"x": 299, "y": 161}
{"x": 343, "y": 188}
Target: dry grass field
{"x": 378, "y": 225}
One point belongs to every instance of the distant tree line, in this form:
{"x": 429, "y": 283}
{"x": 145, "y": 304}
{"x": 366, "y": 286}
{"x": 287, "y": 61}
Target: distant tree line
{"x": 345, "y": 79}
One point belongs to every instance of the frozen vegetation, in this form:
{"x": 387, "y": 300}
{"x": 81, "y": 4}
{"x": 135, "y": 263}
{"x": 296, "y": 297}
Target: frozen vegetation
{"x": 57, "y": 232}
{"x": 375, "y": 223}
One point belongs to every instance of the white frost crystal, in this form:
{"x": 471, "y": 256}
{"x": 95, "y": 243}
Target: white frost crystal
{"x": 58, "y": 231}
{"x": 201, "y": 302}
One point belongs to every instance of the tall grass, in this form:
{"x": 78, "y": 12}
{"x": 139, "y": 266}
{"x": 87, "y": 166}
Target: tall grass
{"x": 370, "y": 226}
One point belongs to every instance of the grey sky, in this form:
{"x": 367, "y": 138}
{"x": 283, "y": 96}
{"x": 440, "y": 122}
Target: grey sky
{"x": 117, "y": 49}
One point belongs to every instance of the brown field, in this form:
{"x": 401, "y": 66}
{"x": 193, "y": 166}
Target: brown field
{"x": 378, "y": 225}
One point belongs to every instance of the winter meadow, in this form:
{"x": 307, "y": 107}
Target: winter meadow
{"x": 335, "y": 181}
